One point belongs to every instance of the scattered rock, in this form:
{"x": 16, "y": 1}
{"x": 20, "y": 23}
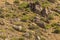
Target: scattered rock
{"x": 41, "y": 24}
{"x": 56, "y": 10}
{"x": 19, "y": 28}
{"x": 44, "y": 12}
{"x": 36, "y": 19}
{"x": 38, "y": 38}
{"x": 27, "y": 35}
{"x": 35, "y": 7}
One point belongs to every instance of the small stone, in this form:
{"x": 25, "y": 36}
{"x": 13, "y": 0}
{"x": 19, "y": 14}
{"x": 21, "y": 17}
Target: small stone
{"x": 19, "y": 28}
{"x": 44, "y": 12}
{"x": 38, "y": 38}
{"x": 27, "y": 35}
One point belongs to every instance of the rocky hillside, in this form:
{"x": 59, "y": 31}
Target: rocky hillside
{"x": 29, "y": 19}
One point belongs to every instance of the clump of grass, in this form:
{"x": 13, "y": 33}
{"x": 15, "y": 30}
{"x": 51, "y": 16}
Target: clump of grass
{"x": 16, "y": 1}
{"x": 22, "y": 38}
{"x": 56, "y": 27}
{"x": 57, "y": 31}
{"x": 51, "y": 17}
{"x": 3, "y": 36}
{"x": 47, "y": 26}
{"x": 33, "y": 27}
{"x": 25, "y": 18}
{"x": 45, "y": 4}
{"x": 14, "y": 38}
{"x": 28, "y": 17}
{"x": 23, "y": 5}
{"x": 7, "y": 3}
{"x": 42, "y": 38}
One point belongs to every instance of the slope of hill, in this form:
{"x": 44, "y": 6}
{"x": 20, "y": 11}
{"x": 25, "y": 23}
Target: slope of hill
{"x": 29, "y": 19}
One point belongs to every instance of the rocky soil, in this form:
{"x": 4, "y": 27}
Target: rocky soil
{"x": 29, "y": 19}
